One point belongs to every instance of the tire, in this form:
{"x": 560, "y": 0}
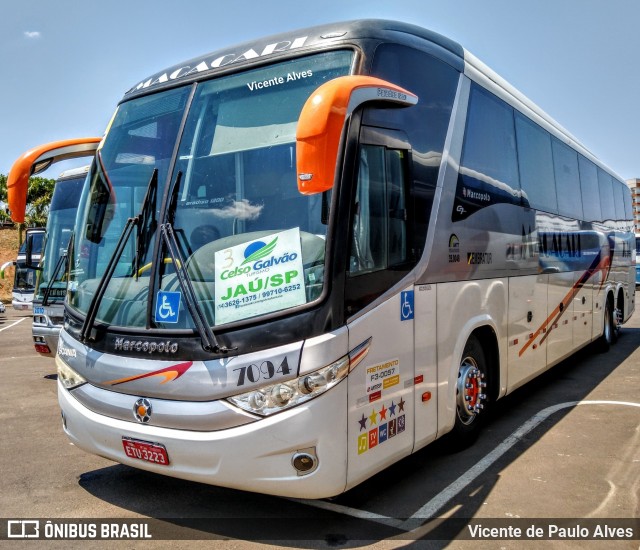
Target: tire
{"x": 608, "y": 337}
{"x": 471, "y": 398}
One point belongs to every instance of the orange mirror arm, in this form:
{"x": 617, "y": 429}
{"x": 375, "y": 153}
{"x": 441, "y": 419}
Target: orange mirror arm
{"x": 323, "y": 118}
{"x": 37, "y": 160}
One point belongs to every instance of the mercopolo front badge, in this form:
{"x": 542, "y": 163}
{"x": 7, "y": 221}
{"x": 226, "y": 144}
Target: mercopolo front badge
{"x": 142, "y": 410}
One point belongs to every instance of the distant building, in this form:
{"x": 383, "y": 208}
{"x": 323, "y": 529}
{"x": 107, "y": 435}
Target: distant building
{"x": 634, "y": 185}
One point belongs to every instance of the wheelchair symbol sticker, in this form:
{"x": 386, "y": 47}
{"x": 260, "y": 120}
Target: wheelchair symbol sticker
{"x": 167, "y": 307}
{"x": 406, "y": 305}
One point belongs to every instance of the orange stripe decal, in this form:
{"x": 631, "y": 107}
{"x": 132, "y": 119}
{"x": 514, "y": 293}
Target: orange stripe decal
{"x": 551, "y": 322}
{"x": 169, "y": 374}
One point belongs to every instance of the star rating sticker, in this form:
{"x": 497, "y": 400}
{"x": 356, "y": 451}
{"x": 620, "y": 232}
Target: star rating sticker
{"x": 373, "y": 417}
{"x": 383, "y": 413}
{"x": 401, "y": 405}
{"x": 363, "y": 422}
{"x": 392, "y": 409}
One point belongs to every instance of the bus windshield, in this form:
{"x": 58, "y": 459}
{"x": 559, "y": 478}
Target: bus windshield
{"x": 25, "y": 276}
{"x": 250, "y": 242}
{"x": 62, "y": 216}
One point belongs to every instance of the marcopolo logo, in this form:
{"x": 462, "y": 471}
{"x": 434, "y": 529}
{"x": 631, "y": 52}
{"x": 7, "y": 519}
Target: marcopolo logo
{"x": 145, "y": 346}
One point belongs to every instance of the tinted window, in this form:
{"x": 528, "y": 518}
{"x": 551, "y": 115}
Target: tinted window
{"x": 380, "y": 221}
{"x": 628, "y": 208}
{"x": 590, "y": 191}
{"x": 381, "y": 251}
{"x": 425, "y": 124}
{"x": 434, "y": 82}
{"x": 618, "y": 198}
{"x": 37, "y": 242}
{"x": 536, "y": 165}
{"x": 565, "y": 167}
{"x": 606, "y": 196}
{"x": 489, "y": 168}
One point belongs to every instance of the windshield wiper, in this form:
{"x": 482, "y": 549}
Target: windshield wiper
{"x": 92, "y": 311}
{"x": 208, "y": 338}
{"x": 146, "y": 229}
{"x": 62, "y": 260}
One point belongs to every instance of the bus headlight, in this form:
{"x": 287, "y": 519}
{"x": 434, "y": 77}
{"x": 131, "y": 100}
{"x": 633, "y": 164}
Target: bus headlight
{"x": 68, "y": 377}
{"x": 274, "y": 398}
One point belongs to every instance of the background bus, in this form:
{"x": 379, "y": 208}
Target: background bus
{"x": 24, "y": 281}
{"x": 51, "y": 280}
{"x": 301, "y": 259}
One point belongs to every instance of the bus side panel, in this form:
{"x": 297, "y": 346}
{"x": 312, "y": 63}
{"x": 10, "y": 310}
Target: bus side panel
{"x": 582, "y": 312}
{"x": 426, "y": 379}
{"x": 630, "y": 305}
{"x": 560, "y": 317}
{"x": 463, "y": 307}
{"x": 527, "y": 313}
{"x": 380, "y": 422}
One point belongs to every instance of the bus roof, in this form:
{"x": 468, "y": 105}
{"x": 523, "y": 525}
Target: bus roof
{"x": 344, "y": 33}
{"x": 302, "y": 40}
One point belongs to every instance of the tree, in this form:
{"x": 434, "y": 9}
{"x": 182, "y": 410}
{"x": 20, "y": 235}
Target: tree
{"x": 39, "y": 195}
{"x": 3, "y": 188}
{"x": 4, "y": 214}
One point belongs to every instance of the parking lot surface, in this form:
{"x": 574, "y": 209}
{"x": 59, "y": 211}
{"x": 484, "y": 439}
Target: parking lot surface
{"x": 567, "y": 445}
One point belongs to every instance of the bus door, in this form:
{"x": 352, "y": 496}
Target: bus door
{"x": 381, "y": 402}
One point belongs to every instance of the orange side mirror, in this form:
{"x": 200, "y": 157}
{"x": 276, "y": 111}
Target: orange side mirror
{"x": 322, "y": 121}
{"x": 37, "y": 160}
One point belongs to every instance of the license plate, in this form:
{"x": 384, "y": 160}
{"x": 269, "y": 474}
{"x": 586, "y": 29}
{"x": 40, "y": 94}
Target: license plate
{"x": 38, "y": 310}
{"x": 145, "y": 450}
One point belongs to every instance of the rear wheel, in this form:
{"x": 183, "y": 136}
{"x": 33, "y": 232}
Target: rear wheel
{"x": 471, "y": 397}
{"x": 608, "y": 337}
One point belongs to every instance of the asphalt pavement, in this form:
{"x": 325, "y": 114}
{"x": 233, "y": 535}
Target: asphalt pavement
{"x": 557, "y": 457}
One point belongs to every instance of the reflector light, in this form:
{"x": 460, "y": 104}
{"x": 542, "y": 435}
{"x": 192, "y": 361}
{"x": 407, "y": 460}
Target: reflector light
{"x": 42, "y": 348}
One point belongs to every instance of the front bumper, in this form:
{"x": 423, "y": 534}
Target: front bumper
{"x": 253, "y": 457}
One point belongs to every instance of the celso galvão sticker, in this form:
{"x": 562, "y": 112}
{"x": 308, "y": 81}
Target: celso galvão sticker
{"x": 259, "y": 276}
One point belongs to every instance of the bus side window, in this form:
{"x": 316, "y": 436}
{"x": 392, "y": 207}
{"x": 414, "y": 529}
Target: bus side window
{"x": 379, "y": 224}
{"x": 590, "y": 192}
{"x": 380, "y": 233}
{"x": 606, "y": 197}
{"x": 618, "y": 200}
{"x": 565, "y": 167}
{"x": 489, "y": 167}
{"x": 535, "y": 159}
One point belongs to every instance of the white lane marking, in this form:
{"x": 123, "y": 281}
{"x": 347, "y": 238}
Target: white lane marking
{"x": 429, "y": 510}
{"x": 15, "y": 323}
{"x": 353, "y": 512}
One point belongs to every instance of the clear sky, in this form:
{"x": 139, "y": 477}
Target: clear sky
{"x": 64, "y": 64}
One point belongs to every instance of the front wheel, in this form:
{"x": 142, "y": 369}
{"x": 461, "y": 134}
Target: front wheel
{"x": 471, "y": 397}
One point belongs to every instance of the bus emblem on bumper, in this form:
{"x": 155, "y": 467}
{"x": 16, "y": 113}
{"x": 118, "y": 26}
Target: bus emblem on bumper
{"x": 142, "y": 410}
